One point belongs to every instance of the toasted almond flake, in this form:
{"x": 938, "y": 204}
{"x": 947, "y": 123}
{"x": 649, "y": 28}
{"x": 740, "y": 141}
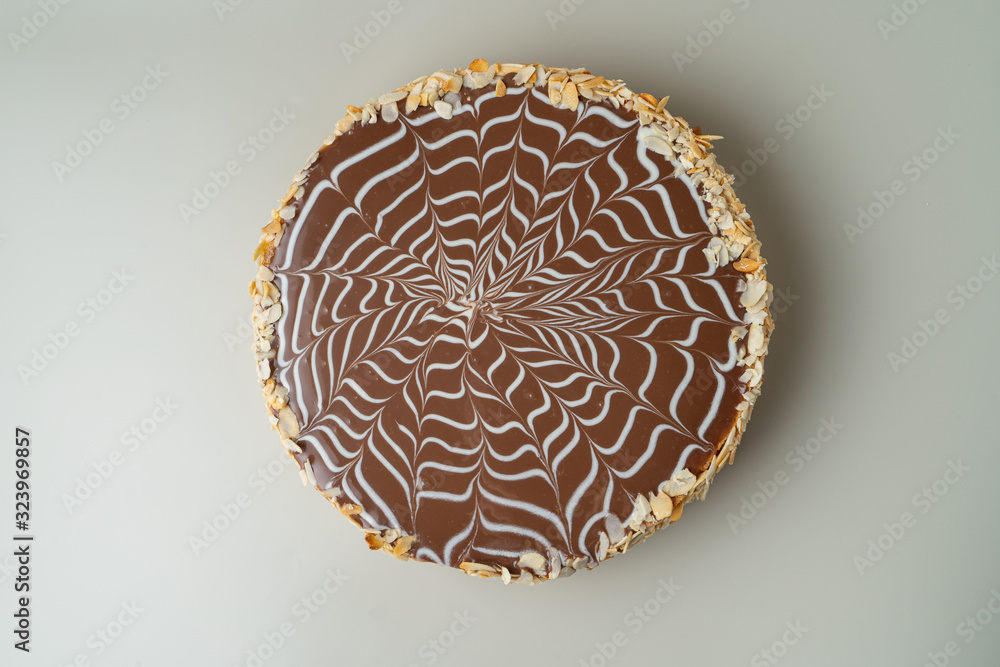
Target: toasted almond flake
{"x": 662, "y": 506}
{"x": 481, "y": 79}
{"x": 392, "y": 98}
{"x": 310, "y": 475}
{"x": 501, "y": 88}
{"x": 505, "y": 574}
{"x": 524, "y": 74}
{"x": 746, "y": 265}
{"x": 755, "y": 339}
{"x": 390, "y": 112}
{"x": 531, "y": 560}
{"x": 555, "y": 95}
{"x": 351, "y": 509}
{"x": 555, "y": 562}
{"x": 603, "y": 545}
{"x": 332, "y": 493}
{"x": 658, "y": 145}
{"x": 615, "y": 528}
{"x": 470, "y": 566}
{"x": 679, "y": 484}
{"x": 754, "y": 294}
{"x": 403, "y": 545}
{"x": 288, "y": 424}
{"x": 478, "y": 65}
{"x": 291, "y": 445}
{"x": 344, "y": 124}
{"x": 287, "y": 213}
{"x": 272, "y": 314}
{"x": 443, "y": 109}
{"x": 569, "y": 96}
{"x": 649, "y": 99}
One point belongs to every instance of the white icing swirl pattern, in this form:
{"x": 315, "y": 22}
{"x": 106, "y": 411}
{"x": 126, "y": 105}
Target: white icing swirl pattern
{"x": 500, "y": 328}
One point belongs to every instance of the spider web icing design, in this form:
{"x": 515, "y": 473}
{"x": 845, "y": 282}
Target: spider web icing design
{"x": 501, "y": 327}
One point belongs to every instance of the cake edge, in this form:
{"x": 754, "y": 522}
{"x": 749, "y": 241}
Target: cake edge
{"x": 729, "y": 223}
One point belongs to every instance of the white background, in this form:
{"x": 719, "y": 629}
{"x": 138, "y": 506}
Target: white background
{"x": 175, "y": 333}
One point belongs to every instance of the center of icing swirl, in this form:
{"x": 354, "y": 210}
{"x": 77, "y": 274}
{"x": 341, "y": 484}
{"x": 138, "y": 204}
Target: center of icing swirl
{"x": 500, "y": 327}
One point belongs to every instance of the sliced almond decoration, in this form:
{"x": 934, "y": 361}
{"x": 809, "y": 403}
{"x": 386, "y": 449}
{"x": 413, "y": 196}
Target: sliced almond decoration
{"x": 332, "y": 493}
{"x": 602, "y": 546}
{"x": 350, "y": 509}
{"x": 443, "y": 109}
{"x": 746, "y": 265}
{"x": 754, "y": 293}
{"x": 555, "y": 562}
{"x": 755, "y": 339}
{"x": 390, "y": 112}
{"x": 649, "y": 99}
{"x": 403, "y": 545}
{"x": 524, "y": 74}
{"x": 272, "y": 314}
{"x": 662, "y": 506}
{"x": 532, "y": 561}
{"x": 658, "y": 145}
{"x": 310, "y": 475}
{"x": 392, "y": 98}
{"x": 555, "y": 95}
{"x": 569, "y": 96}
{"x": 478, "y": 65}
{"x": 501, "y": 88}
{"x": 288, "y": 425}
{"x": 469, "y": 566}
{"x": 679, "y": 484}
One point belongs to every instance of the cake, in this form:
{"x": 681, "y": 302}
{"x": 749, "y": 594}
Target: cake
{"x": 511, "y": 319}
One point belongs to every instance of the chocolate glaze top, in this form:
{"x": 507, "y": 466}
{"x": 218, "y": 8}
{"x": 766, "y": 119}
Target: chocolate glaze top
{"x": 500, "y": 328}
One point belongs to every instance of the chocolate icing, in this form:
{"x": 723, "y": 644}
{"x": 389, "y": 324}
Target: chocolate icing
{"x": 500, "y": 328}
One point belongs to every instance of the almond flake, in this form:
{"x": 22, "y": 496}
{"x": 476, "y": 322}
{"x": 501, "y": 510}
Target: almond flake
{"x": 569, "y": 96}
{"x": 443, "y": 109}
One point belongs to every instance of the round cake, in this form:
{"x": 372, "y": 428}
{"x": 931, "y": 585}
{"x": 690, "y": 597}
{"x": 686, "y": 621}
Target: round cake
{"x": 511, "y": 318}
